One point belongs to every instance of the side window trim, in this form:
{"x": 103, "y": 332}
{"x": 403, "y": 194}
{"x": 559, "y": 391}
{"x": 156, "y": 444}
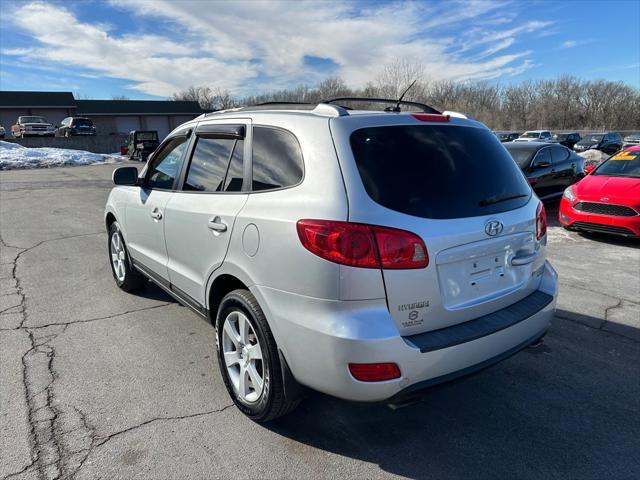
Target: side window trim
{"x": 541, "y": 152}
{"x": 246, "y": 180}
{"x": 249, "y": 162}
{"x": 186, "y": 164}
{"x": 161, "y": 147}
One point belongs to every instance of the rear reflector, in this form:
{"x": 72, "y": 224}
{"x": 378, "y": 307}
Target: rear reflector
{"x": 430, "y": 117}
{"x": 541, "y": 221}
{"x": 374, "y": 372}
{"x": 361, "y": 245}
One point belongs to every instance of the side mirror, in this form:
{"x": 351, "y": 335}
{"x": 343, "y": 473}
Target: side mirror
{"x": 125, "y": 176}
{"x": 541, "y": 164}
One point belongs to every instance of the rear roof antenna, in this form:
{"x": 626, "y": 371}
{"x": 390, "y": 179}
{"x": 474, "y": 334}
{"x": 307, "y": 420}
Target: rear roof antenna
{"x": 397, "y": 107}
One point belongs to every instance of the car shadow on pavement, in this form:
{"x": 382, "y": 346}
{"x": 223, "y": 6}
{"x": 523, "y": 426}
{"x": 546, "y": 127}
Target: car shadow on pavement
{"x": 153, "y": 292}
{"x": 611, "y": 239}
{"x": 565, "y": 409}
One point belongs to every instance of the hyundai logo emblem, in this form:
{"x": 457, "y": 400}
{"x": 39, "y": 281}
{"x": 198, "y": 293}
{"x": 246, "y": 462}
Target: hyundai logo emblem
{"x": 493, "y": 228}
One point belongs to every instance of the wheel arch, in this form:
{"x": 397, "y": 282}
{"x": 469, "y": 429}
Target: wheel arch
{"x": 109, "y": 218}
{"x": 218, "y": 289}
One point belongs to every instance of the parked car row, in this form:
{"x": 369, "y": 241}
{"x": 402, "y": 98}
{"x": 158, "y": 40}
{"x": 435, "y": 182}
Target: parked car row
{"x": 608, "y": 142}
{"x": 596, "y": 195}
{"x": 37, "y": 126}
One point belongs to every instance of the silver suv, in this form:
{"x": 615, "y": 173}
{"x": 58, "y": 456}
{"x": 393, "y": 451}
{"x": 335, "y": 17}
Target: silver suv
{"x": 366, "y": 255}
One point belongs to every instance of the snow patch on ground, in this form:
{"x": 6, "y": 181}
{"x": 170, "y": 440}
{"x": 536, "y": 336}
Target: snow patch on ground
{"x": 15, "y": 156}
{"x": 594, "y": 156}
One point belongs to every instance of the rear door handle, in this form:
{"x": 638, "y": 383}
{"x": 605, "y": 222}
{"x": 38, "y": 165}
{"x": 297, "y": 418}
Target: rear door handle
{"x": 216, "y": 224}
{"x": 523, "y": 259}
{"x": 156, "y": 214}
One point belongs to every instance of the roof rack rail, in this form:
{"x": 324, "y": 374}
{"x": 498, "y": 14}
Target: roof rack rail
{"x": 425, "y": 108}
{"x": 318, "y": 108}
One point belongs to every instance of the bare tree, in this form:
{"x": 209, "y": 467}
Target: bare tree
{"x": 562, "y": 103}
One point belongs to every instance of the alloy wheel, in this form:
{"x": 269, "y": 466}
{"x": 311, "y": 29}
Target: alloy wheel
{"x": 243, "y": 357}
{"x": 118, "y": 256}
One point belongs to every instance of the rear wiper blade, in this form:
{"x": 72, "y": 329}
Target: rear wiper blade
{"x": 501, "y": 198}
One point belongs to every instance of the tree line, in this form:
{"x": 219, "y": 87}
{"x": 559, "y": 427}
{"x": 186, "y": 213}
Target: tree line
{"x": 563, "y": 103}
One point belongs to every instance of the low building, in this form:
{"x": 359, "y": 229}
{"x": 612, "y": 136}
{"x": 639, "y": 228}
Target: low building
{"x": 111, "y": 117}
{"x": 122, "y": 116}
{"x": 54, "y": 106}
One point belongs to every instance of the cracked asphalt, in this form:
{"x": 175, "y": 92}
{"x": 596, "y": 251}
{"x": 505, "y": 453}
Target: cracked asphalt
{"x": 96, "y": 383}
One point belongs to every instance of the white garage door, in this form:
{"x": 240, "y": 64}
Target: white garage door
{"x": 126, "y": 124}
{"x": 159, "y": 123}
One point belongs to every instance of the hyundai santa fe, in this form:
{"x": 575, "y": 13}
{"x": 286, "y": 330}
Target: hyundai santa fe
{"x": 364, "y": 254}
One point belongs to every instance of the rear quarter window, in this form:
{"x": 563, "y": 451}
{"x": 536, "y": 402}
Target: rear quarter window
{"x": 437, "y": 171}
{"x": 277, "y": 159}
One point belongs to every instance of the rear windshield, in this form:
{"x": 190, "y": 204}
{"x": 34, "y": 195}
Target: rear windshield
{"x": 146, "y": 136}
{"x": 530, "y": 135}
{"x": 438, "y": 171}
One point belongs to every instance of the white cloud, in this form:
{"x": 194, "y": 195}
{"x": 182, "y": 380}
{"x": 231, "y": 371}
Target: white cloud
{"x": 232, "y": 44}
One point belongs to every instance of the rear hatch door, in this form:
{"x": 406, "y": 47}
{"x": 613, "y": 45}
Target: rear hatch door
{"x": 453, "y": 184}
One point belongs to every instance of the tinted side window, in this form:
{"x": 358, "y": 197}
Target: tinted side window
{"x": 209, "y": 164}
{"x": 235, "y": 172}
{"x": 166, "y": 165}
{"x": 558, "y": 154}
{"x": 277, "y": 159}
{"x": 543, "y": 156}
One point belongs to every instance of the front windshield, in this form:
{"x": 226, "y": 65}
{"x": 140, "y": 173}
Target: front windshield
{"x": 146, "y": 136}
{"x": 32, "y": 120}
{"x": 503, "y": 136}
{"x": 522, "y": 156}
{"x": 591, "y": 138}
{"x": 559, "y": 136}
{"x": 530, "y": 135}
{"x": 622, "y": 164}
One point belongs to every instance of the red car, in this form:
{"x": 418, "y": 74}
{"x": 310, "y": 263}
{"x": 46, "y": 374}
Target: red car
{"x": 608, "y": 199}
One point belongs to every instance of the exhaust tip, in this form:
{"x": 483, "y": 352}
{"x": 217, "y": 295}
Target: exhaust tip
{"x": 403, "y": 403}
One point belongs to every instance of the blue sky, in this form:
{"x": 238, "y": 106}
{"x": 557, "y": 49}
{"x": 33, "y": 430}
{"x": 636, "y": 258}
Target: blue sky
{"x": 152, "y": 48}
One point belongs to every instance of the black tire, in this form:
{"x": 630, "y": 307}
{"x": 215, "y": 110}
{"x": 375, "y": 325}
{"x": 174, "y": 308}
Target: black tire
{"x": 132, "y": 280}
{"x": 272, "y": 402}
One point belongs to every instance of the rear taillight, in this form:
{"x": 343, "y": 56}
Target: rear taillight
{"x": 541, "y": 222}
{"x": 360, "y": 245}
{"x": 374, "y": 372}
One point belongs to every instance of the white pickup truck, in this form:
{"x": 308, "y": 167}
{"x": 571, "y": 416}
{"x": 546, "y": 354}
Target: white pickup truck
{"x": 32, "y": 126}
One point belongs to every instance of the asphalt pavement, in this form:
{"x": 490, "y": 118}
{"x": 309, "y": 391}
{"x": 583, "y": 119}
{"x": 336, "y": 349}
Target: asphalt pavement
{"x": 97, "y": 383}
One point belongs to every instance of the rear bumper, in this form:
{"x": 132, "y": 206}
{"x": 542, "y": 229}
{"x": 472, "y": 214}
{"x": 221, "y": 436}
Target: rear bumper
{"x": 589, "y": 222}
{"x": 319, "y": 338}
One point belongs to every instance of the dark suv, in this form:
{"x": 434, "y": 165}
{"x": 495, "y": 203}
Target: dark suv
{"x": 568, "y": 139}
{"x": 71, "y": 126}
{"x": 607, "y": 142}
